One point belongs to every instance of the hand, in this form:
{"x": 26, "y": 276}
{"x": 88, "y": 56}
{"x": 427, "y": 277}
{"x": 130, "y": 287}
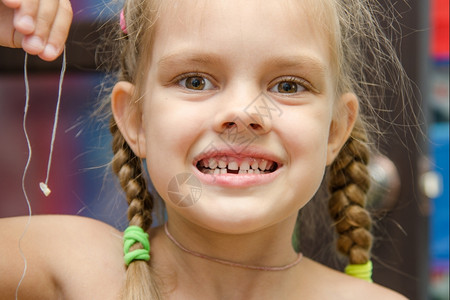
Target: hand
{"x": 40, "y": 27}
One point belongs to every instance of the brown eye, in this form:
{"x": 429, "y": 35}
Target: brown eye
{"x": 288, "y": 87}
{"x": 195, "y": 83}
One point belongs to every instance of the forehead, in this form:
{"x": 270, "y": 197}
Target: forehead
{"x": 249, "y": 28}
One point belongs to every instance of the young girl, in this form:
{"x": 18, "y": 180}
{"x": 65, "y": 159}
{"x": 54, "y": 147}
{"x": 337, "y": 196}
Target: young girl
{"x": 238, "y": 109}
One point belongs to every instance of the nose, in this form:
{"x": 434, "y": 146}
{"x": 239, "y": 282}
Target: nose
{"x": 245, "y": 115}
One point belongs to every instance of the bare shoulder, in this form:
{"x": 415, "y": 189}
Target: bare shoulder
{"x": 58, "y": 231}
{"x": 326, "y": 283}
{"x": 63, "y": 254}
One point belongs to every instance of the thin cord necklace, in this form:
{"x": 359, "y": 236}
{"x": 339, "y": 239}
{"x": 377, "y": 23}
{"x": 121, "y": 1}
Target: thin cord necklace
{"x": 230, "y": 263}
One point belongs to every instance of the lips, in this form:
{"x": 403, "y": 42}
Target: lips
{"x": 237, "y": 168}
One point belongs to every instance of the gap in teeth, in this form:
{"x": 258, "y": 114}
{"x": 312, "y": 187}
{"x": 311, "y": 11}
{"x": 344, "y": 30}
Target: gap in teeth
{"x": 226, "y": 165}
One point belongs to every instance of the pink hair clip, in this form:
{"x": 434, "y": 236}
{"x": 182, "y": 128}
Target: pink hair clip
{"x": 123, "y": 23}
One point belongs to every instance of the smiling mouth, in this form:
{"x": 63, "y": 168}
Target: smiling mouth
{"x": 232, "y": 165}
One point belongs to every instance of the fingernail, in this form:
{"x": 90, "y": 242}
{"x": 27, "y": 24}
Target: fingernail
{"x": 26, "y": 23}
{"x": 50, "y": 51}
{"x": 35, "y": 42}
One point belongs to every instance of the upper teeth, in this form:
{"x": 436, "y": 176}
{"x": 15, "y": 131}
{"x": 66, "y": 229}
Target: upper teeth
{"x": 212, "y": 164}
{"x": 222, "y": 165}
{"x": 245, "y": 166}
{"x": 233, "y": 166}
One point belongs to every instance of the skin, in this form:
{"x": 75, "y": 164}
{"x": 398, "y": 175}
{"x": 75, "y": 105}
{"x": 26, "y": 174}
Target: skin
{"x": 175, "y": 123}
{"x": 252, "y": 223}
{"x": 242, "y": 217}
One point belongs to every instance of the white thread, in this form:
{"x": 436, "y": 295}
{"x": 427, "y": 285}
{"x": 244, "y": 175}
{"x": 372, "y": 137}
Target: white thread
{"x": 27, "y": 100}
{"x": 43, "y": 186}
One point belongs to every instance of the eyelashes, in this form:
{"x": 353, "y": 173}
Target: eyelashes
{"x": 196, "y": 82}
{"x": 289, "y": 85}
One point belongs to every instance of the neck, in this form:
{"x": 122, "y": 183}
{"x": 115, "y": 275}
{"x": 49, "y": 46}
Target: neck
{"x": 266, "y": 249}
{"x": 231, "y": 263}
{"x": 269, "y": 246}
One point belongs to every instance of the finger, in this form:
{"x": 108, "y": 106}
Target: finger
{"x": 44, "y": 20}
{"x": 59, "y": 32}
{"x": 17, "y": 39}
{"x": 11, "y": 3}
{"x": 24, "y": 16}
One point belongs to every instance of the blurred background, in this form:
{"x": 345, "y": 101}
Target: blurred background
{"x": 411, "y": 203}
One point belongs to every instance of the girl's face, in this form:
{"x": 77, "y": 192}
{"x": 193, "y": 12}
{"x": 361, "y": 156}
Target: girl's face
{"x": 243, "y": 88}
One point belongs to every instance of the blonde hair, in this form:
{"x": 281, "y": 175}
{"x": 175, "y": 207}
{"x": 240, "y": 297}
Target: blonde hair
{"x": 369, "y": 67}
{"x": 365, "y": 64}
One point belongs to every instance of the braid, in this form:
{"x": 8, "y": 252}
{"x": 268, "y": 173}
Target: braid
{"x": 128, "y": 168}
{"x": 140, "y": 281}
{"x": 348, "y": 184}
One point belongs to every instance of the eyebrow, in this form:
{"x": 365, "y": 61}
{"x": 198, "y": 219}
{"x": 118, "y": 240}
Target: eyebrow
{"x": 306, "y": 63}
{"x": 303, "y": 62}
{"x": 186, "y": 58}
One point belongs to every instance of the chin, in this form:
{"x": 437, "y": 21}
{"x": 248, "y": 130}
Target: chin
{"x": 235, "y": 215}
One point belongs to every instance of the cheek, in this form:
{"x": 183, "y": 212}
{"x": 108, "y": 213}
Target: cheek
{"x": 169, "y": 132}
{"x": 306, "y": 143}
{"x": 169, "y": 126}
{"x": 306, "y": 136}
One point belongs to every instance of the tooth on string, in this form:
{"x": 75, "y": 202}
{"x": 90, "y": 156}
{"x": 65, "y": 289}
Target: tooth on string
{"x": 45, "y": 189}
{"x": 233, "y": 166}
{"x": 42, "y": 185}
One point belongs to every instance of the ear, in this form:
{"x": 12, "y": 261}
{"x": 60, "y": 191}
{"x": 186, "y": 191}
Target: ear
{"x": 128, "y": 117}
{"x": 342, "y": 124}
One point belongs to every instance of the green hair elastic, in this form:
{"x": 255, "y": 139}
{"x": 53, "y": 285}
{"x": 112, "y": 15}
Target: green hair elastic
{"x": 132, "y": 235}
{"x": 362, "y": 271}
